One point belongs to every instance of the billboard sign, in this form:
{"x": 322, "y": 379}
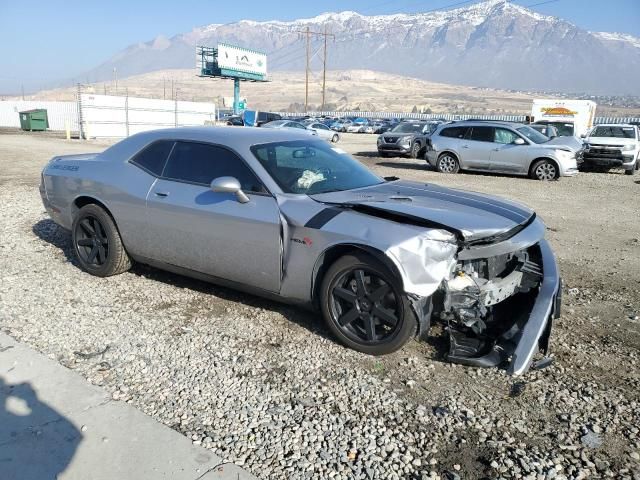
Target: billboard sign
{"x": 242, "y": 60}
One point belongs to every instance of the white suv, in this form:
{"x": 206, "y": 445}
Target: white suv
{"x": 613, "y": 145}
{"x": 501, "y": 147}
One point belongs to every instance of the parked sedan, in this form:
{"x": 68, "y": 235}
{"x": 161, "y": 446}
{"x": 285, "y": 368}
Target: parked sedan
{"x": 355, "y": 128}
{"x": 341, "y": 125}
{"x": 324, "y": 132}
{"x": 288, "y": 124}
{"x": 499, "y": 147}
{"x": 287, "y": 216}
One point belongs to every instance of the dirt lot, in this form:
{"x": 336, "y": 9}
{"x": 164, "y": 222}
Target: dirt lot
{"x": 264, "y": 384}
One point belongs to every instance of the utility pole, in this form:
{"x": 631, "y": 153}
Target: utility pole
{"x": 306, "y": 83}
{"x": 307, "y": 32}
{"x": 324, "y": 68}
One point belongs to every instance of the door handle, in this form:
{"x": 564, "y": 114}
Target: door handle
{"x": 496, "y": 150}
{"x": 161, "y": 194}
{"x": 465, "y": 146}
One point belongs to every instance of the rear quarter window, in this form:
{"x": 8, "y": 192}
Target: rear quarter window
{"x": 153, "y": 157}
{"x": 453, "y": 132}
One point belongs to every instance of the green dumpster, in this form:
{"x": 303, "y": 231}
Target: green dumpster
{"x": 34, "y": 120}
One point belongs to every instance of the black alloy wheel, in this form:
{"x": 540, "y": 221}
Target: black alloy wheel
{"x": 91, "y": 241}
{"x": 97, "y": 243}
{"x": 365, "y": 307}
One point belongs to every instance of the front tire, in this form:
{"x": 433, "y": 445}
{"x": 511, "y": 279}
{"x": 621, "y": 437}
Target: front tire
{"x": 364, "y": 306}
{"x": 97, "y": 243}
{"x": 544, "y": 170}
{"x": 632, "y": 170}
{"x": 335, "y": 138}
{"x": 448, "y": 163}
{"x": 415, "y": 150}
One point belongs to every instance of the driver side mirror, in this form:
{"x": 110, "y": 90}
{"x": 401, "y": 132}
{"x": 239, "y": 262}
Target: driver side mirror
{"x": 519, "y": 141}
{"x": 229, "y": 185}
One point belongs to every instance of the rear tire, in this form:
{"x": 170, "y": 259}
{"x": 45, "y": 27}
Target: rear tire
{"x": 97, "y": 243}
{"x": 544, "y": 170}
{"x": 448, "y": 163}
{"x": 335, "y": 138}
{"x": 364, "y": 306}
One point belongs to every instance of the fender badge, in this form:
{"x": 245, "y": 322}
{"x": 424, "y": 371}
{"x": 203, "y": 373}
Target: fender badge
{"x": 305, "y": 241}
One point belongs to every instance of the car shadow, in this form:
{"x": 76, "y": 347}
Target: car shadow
{"x": 54, "y": 234}
{"x": 50, "y": 232}
{"x": 404, "y": 165}
{"x": 36, "y": 441}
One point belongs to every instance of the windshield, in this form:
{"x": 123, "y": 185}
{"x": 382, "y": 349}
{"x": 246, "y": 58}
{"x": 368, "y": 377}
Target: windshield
{"x": 408, "y": 127}
{"x": 564, "y": 129}
{"x": 611, "y": 131}
{"x": 533, "y": 135}
{"x": 312, "y": 166}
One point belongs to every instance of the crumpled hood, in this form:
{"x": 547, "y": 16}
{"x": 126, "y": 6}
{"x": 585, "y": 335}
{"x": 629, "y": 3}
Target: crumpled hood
{"x": 474, "y": 216}
{"x": 573, "y": 143}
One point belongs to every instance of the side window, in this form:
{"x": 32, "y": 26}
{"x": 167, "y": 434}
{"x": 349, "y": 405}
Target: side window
{"x": 153, "y": 157}
{"x": 201, "y": 163}
{"x": 480, "y": 134}
{"x": 453, "y": 132}
{"x": 505, "y": 136}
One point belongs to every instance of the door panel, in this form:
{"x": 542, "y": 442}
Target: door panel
{"x": 196, "y": 228}
{"x": 506, "y": 156}
{"x": 476, "y": 148}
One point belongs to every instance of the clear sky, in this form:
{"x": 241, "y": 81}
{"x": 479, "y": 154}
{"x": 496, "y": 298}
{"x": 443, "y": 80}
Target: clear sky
{"x": 44, "y": 40}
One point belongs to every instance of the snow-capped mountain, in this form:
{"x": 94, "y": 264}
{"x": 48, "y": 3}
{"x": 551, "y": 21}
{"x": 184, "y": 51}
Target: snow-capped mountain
{"x": 493, "y": 43}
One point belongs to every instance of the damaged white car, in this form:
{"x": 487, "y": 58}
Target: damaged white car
{"x": 288, "y": 216}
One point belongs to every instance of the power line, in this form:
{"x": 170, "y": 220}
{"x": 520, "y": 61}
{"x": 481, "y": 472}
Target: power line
{"x": 540, "y": 3}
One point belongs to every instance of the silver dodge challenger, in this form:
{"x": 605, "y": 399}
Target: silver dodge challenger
{"x": 291, "y": 217}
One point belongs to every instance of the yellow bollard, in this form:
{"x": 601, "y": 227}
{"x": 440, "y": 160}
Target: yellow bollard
{"x": 67, "y": 127}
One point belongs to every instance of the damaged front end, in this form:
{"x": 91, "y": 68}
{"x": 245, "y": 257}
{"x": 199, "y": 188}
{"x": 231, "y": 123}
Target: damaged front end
{"x": 499, "y": 308}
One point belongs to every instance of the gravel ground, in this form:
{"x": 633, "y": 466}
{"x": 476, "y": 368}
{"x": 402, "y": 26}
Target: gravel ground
{"x": 264, "y": 385}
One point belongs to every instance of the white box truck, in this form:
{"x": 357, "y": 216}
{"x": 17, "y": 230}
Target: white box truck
{"x": 570, "y": 117}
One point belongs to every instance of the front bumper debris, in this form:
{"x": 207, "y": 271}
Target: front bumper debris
{"x": 475, "y": 343}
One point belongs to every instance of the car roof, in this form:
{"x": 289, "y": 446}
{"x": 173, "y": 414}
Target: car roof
{"x": 477, "y": 123}
{"x": 615, "y": 125}
{"x": 230, "y": 136}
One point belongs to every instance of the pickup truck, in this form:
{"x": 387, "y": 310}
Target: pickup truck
{"x": 613, "y": 145}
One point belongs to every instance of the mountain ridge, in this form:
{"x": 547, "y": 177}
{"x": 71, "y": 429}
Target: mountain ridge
{"x": 494, "y": 43}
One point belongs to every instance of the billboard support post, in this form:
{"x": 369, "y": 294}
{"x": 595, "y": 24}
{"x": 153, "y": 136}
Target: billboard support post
{"x": 236, "y": 96}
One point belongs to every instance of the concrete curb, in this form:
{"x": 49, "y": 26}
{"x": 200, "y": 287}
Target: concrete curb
{"x": 54, "y": 424}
